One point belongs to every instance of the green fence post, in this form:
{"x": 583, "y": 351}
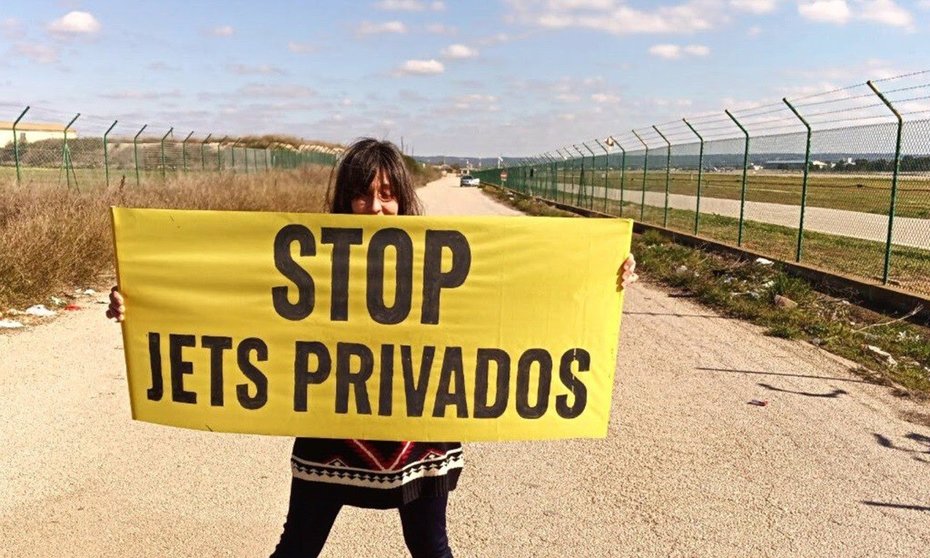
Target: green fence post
{"x": 534, "y": 175}
{"x": 565, "y": 163}
{"x": 668, "y": 170}
{"x": 591, "y": 173}
{"x": 16, "y": 143}
{"x": 184, "y": 151}
{"x": 542, "y": 183}
{"x": 697, "y": 208}
{"x": 233, "y": 148}
{"x": 642, "y": 205}
{"x": 203, "y": 152}
{"x": 135, "y": 152}
{"x": 164, "y": 169}
{"x": 219, "y": 154}
{"x": 527, "y": 175}
{"x": 66, "y": 155}
{"x": 572, "y": 164}
{"x": 246, "y": 157}
{"x": 106, "y": 156}
{"x": 545, "y": 164}
{"x": 552, "y": 168}
{"x": 606, "y": 170}
{"x": 807, "y": 158}
{"x": 894, "y": 180}
{"x": 555, "y": 178}
{"x": 612, "y": 141}
{"x": 742, "y": 196}
{"x": 579, "y": 194}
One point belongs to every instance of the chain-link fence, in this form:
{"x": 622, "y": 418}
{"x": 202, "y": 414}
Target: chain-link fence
{"x": 839, "y": 180}
{"x": 41, "y": 147}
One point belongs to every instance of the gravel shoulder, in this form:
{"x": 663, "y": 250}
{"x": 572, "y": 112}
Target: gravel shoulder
{"x": 829, "y": 467}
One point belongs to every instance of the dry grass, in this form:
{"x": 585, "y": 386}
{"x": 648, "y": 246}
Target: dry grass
{"x": 53, "y": 238}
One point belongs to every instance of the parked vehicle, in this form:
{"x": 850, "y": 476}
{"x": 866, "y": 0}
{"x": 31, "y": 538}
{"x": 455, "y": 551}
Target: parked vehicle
{"x": 469, "y": 180}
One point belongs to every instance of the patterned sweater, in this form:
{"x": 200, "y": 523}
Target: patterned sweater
{"x": 377, "y": 474}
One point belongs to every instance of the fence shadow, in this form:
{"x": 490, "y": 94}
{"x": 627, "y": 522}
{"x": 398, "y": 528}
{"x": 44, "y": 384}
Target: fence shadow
{"x": 898, "y": 506}
{"x": 832, "y": 394}
{"x": 785, "y": 374}
{"x": 677, "y": 315}
{"x": 922, "y": 455}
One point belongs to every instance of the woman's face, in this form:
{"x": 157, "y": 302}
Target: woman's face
{"x": 379, "y": 200}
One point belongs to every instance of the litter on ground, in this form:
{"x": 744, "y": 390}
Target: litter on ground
{"x": 40, "y": 310}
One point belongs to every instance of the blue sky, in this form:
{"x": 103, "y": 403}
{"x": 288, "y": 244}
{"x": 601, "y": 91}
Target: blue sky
{"x": 513, "y": 77}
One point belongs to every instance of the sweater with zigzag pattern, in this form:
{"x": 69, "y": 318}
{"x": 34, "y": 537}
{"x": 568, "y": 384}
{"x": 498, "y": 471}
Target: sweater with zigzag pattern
{"x": 376, "y": 474}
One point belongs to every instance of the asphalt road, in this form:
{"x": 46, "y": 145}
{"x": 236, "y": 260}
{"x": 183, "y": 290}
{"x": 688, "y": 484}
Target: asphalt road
{"x": 908, "y": 231}
{"x": 828, "y": 467}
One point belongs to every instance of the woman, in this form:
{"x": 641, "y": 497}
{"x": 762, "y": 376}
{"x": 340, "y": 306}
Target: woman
{"x": 414, "y": 477}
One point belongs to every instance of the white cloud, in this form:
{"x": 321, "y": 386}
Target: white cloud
{"x": 617, "y": 18}
{"x": 459, "y": 52}
{"x": 139, "y": 95}
{"x": 275, "y": 91}
{"x": 605, "y": 98}
{"x": 440, "y": 29}
{"x": 497, "y": 39}
{"x": 400, "y": 5}
{"x": 755, "y": 6}
{"x": 886, "y": 12}
{"x": 223, "y": 31}
{"x": 75, "y": 23}
{"x": 828, "y": 11}
{"x": 669, "y": 52}
{"x": 672, "y": 52}
{"x": 568, "y": 97}
{"x": 43, "y": 54}
{"x": 11, "y": 28}
{"x": 301, "y": 48}
{"x": 754, "y": 31}
{"x": 924, "y": 4}
{"x": 263, "y": 70}
{"x": 161, "y": 66}
{"x": 839, "y": 12}
{"x": 409, "y": 6}
{"x": 369, "y": 28}
{"x": 697, "y": 50}
{"x": 421, "y": 67}
{"x": 475, "y": 101}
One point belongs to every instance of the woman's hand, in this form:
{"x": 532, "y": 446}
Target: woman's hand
{"x": 627, "y": 274}
{"x": 116, "y": 310}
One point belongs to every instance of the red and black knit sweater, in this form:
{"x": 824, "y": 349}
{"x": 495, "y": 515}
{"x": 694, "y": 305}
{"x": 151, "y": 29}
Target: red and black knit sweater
{"x": 376, "y": 474}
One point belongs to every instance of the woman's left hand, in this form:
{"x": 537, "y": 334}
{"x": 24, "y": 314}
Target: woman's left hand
{"x": 626, "y": 276}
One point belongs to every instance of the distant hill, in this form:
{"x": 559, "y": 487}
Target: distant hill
{"x": 474, "y": 162}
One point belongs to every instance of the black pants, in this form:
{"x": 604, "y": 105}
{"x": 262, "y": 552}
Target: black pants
{"x": 309, "y": 521}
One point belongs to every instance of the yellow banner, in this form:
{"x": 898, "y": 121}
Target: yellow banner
{"x": 379, "y": 328}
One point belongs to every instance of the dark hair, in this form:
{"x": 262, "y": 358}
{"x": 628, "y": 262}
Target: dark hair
{"x": 358, "y": 166}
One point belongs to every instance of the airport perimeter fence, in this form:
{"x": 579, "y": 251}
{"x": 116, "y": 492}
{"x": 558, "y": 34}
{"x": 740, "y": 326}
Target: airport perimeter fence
{"x": 41, "y": 147}
{"x": 839, "y": 180}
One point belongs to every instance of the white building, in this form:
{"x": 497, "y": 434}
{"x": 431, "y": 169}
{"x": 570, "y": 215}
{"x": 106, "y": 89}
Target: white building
{"x": 33, "y": 131}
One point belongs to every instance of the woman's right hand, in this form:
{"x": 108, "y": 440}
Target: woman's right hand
{"x": 116, "y": 310}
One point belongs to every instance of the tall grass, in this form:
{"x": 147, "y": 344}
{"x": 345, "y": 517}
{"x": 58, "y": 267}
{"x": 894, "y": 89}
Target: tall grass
{"x": 52, "y": 238}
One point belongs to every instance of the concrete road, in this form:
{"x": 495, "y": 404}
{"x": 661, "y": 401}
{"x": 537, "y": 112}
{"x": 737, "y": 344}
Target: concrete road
{"x": 908, "y": 231}
{"x": 828, "y": 467}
